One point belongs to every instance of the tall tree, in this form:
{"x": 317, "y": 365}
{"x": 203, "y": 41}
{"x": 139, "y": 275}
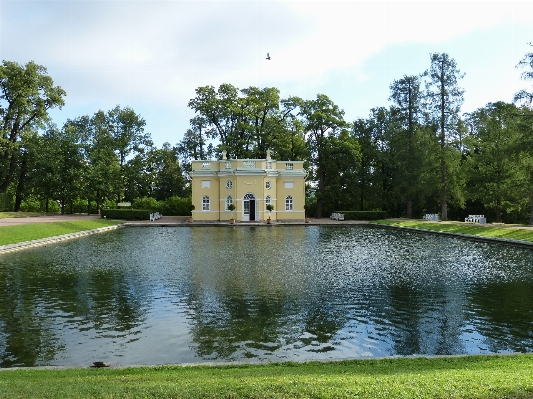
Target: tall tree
{"x": 526, "y": 122}
{"x": 321, "y": 118}
{"x": 494, "y": 166}
{"x": 127, "y": 131}
{"x": 168, "y": 179}
{"x": 26, "y": 95}
{"x": 406, "y": 97}
{"x": 526, "y": 62}
{"x": 444, "y": 100}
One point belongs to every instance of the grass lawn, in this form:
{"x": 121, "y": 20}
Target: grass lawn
{"x": 496, "y": 231}
{"x": 35, "y": 231}
{"x": 4, "y": 215}
{"x": 450, "y": 377}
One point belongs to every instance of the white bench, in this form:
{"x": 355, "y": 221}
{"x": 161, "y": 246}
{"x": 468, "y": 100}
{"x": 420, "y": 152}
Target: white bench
{"x": 155, "y": 216}
{"x": 337, "y": 216}
{"x": 431, "y": 216}
{"x": 476, "y": 219}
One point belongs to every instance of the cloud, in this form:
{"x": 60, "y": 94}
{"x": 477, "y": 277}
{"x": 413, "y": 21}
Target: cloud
{"x": 154, "y": 54}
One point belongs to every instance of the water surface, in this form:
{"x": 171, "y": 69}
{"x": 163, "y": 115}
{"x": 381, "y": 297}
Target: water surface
{"x": 192, "y": 294}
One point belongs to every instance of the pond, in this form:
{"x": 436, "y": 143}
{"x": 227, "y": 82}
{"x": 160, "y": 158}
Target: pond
{"x": 161, "y": 295}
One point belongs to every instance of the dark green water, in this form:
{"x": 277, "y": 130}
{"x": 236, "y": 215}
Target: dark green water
{"x": 191, "y": 294}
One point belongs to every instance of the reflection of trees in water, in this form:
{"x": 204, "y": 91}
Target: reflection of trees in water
{"x": 235, "y": 325}
{"x": 503, "y": 313}
{"x": 38, "y": 301}
{"x": 419, "y": 323}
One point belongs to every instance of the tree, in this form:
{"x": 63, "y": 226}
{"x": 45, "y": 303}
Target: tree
{"x": 406, "y": 96}
{"x": 493, "y": 161}
{"x": 26, "y": 95}
{"x": 246, "y": 122}
{"x": 321, "y": 118}
{"x": 526, "y": 122}
{"x": 527, "y": 61}
{"x": 127, "y": 131}
{"x": 194, "y": 144}
{"x": 168, "y": 179}
{"x": 444, "y": 100}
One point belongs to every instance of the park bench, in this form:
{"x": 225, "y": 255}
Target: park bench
{"x": 476, "y": 219}
{"x": 431, "y": 216}
{"x": 337, "y": 216}
{"x": 154, "y": 216}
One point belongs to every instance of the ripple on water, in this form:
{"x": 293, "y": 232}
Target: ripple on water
{"x": 170, "y": 295}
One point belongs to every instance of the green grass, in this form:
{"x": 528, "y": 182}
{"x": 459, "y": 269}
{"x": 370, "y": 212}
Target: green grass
{"x": 499, "y": 231}
{"x": 4, "y": 215}
{"x": 34, "y": 231}
{"x": 451, "y": 377}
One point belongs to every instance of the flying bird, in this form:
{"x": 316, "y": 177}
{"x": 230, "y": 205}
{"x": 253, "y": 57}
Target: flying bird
{"x": 268, "y": 56}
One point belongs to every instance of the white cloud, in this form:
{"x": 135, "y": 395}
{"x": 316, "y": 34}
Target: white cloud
{"x": 156, "y": 53}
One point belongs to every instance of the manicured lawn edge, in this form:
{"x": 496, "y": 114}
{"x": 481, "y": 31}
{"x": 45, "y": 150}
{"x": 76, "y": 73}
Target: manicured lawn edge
{"x": 35, "y": 231}
{"x": 480, "y": 376}
{"x": 509, "y": 235}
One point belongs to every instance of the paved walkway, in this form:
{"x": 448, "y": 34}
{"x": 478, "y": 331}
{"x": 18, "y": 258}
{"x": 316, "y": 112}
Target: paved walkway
{"x": 165, "y": 220}
{"x": 44, "y": 219}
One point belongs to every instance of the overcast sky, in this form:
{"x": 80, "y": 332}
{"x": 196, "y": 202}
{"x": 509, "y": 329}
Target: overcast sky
{"x": 151, "y": 55}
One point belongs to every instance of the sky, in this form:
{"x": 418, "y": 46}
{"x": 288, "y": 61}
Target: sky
{"x": 152, "y": 55}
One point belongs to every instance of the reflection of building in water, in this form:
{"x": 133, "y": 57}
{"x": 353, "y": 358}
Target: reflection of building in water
{"x": 250, "y": 185}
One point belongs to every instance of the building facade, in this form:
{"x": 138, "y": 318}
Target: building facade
{"x": 250, "y": 185}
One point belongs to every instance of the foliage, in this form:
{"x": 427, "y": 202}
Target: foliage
{"x": 492, "y": 160}
{"x": 27, "y": 93}
{"x": 7, "y": 201}
{"x": 176, "y": 206}
{"x": 363, "y": 215}
{"x": 145, "y": 203}
{"x": 444, "y": 100}
{"x": 526, "y": 62}
{"x": 172, "y": 206}
{"x": 127, "y": 214}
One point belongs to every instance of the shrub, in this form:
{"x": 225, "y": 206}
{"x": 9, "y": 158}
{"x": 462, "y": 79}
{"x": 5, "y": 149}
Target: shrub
{"x": 126, "y": 214}
{"x": 176, "y": 206}
{"x": 31, "y": 205}
{"x": 363, "y": 215}
{"x": 145, "y": 203}
{"x": 7, "y": 202}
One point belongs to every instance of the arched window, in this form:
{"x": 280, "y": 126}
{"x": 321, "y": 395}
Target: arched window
{"x": 205, "y": 203}
{"x": 229, "y": 201}
{"x": 268, "y": 200}
{"x": 288, "y": 203}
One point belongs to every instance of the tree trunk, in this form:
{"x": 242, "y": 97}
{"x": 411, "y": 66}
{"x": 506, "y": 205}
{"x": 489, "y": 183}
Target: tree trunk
{"x": 409, "y": 210}
{"x": 20, "y": 185}
{"x": 531, "y": 210}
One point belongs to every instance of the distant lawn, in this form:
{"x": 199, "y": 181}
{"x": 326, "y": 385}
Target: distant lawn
{"x": 4, "y": 215}
{"x": 450, "y": 377}
{"x": 35, "y": 231}
{"x": 497, "y": 231}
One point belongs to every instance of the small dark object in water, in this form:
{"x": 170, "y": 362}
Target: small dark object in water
{"x": 100, "y": 364}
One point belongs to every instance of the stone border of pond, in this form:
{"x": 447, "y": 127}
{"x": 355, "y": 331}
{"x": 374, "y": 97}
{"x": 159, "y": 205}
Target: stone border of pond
{"x": 49, "y": 240}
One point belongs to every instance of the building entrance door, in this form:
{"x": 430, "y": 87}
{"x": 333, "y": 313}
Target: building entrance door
{"x": 248, "y": 212}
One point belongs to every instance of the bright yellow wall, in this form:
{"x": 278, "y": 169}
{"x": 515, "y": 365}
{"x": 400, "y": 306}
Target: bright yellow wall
{"x": 248, "y": 177}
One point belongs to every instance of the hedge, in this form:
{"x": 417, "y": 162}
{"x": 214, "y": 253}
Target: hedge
{"x": 363, "y": 215}
{"x": 126, "y": 214}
